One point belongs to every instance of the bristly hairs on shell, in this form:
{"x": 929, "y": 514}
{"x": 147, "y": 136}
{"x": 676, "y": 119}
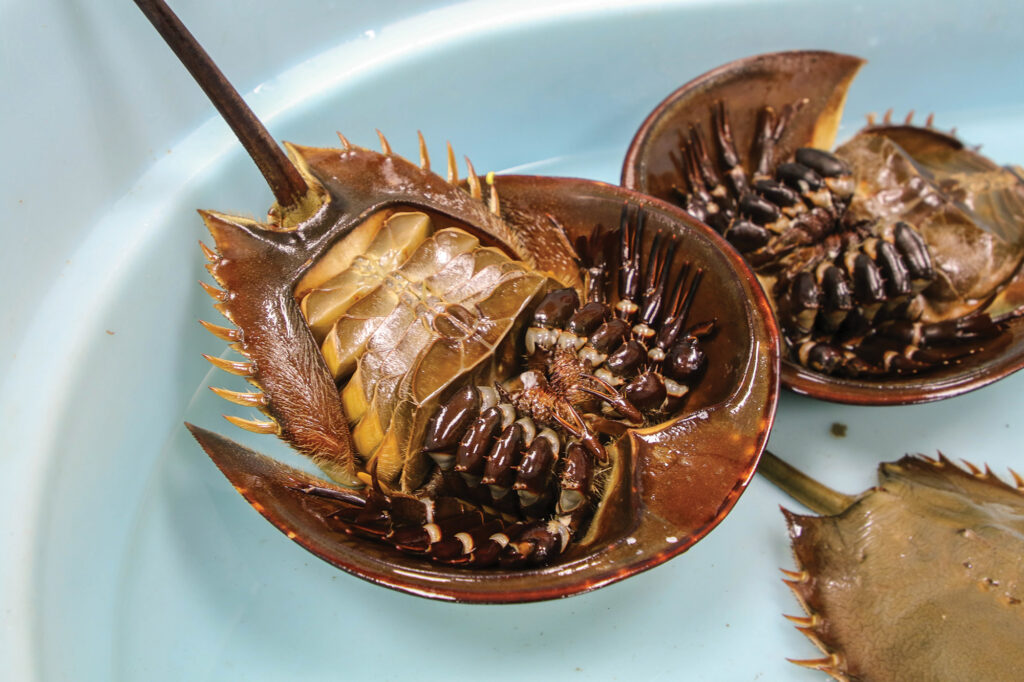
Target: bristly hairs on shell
{"x": 600, "y": 480}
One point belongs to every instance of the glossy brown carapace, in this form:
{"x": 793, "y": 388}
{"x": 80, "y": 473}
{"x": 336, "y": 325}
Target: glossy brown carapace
{"x": 664, "y": 477}
{"x": 516, "y": 388}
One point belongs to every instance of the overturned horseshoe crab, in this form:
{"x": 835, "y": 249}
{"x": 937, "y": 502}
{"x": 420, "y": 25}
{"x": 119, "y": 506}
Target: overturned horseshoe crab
{"x": 518, "y": 388}
{"x": 918, "y": 578}
{"x": 893, "y": 265}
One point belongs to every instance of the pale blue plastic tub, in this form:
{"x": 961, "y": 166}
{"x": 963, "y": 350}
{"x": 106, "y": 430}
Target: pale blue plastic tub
{"x": 125, "y": 555}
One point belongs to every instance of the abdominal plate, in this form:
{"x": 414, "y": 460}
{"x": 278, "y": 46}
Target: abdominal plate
{"x": 402, "y": 319}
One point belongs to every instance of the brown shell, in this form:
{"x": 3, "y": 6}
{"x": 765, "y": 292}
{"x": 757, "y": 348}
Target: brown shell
{"x": 921, "y": 578}
{"x": 677, "y": 480}
{"x": 822, "y": 78}
{"x": 746, "y": 85}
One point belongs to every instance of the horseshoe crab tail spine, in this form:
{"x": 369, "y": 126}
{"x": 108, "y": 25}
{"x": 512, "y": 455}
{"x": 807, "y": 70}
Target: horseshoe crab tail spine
{"x": 801, "y": 487}
{"x": 284, "y": 179}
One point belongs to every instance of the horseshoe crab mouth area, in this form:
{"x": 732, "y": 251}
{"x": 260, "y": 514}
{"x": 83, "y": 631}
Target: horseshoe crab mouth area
{"x": 476, "y": 385}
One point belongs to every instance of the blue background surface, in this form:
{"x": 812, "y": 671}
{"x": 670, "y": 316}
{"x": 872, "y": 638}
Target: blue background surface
{"x": 124, "y": 555}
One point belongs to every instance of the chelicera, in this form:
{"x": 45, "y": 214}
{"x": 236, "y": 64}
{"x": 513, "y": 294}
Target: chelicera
{"x": 517, "y": 387}
{"x": 893, "y": 263}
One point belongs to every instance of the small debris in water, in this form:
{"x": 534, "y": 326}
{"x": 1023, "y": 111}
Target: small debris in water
{"x": 838, "y": 429}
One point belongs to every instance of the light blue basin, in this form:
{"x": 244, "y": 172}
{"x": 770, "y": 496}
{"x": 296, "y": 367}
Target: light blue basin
{"x": 125, "y": 555}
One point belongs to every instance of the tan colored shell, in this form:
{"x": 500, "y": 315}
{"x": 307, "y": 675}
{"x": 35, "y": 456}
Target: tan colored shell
{"x": 921, "y": 578}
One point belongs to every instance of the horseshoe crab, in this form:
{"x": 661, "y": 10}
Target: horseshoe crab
{"x": 918, "y": 578}
{"x": 893, "y": 265}
{"x": 518, "y": 388}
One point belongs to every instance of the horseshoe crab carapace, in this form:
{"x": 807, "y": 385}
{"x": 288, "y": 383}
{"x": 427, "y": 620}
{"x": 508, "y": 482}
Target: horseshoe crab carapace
{"x": 918, "y": 578}
{"x": 517, "y": 388}
{"x": 893, "y": 264}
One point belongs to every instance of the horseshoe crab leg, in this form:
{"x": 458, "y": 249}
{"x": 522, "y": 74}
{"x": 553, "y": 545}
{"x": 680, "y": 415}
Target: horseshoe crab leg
{"x": 579, "y": 429}
{"x": 612, "y": 397}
